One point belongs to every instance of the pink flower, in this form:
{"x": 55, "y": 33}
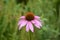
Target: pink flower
{"x": 29, "y": 20}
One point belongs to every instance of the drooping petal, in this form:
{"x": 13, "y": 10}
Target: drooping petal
{"x": 36, "y": 23}
{"x": 37, "y": 17}
{"x": 20, "y": 21}
{"x": 23, "y": 17}
{"x": 27, "y": 27}
{"x": 33, "y": 21}
{"x": 30, "y": 26}
{"x": 23, "y": 23}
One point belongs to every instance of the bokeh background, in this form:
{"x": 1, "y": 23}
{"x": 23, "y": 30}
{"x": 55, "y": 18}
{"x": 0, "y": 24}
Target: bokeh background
{"x": 11, "y": 10}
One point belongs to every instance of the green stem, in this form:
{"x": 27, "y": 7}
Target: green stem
{"x": 23, "y": 35}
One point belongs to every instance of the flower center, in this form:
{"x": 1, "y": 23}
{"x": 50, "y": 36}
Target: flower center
{"x": 29, "y": 16}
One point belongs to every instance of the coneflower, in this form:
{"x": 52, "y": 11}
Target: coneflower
{"x": 29, "y": 20}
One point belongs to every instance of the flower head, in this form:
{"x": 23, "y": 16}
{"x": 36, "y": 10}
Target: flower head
{"x": 29, "y": 20}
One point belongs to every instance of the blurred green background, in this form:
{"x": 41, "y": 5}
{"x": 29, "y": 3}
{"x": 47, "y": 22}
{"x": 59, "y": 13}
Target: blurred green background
{"x": 11, "y": 10}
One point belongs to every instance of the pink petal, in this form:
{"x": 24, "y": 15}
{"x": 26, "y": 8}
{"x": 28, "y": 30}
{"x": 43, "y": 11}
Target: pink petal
{"x": 30, "y": 26}
{"x": 23, "y": 17}
{"x": 37, "y": 17}
{"x": 22, "y": 20}
{"x": 19, "y": 22}
{"x": 36, "y": 23}
{"x": 22, "y": 23}
{"x": 33, "y": 21}
{"x": 27, "y": 27}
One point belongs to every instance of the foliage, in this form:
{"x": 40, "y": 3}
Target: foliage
{"x": 10, "y": 11}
